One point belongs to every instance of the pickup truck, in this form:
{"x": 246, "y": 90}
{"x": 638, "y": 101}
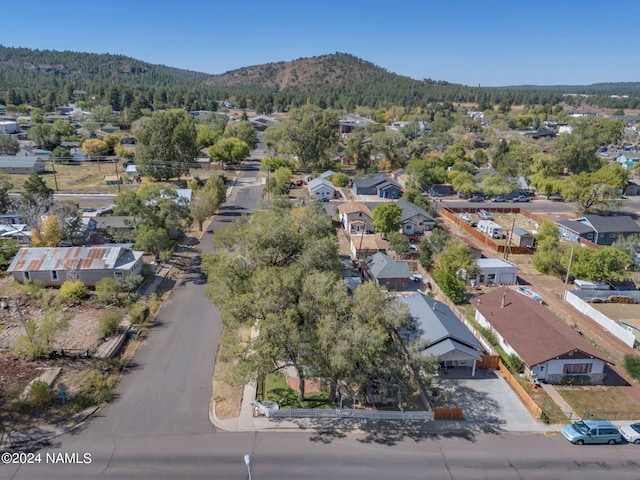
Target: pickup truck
{"x": 521, "y": 198}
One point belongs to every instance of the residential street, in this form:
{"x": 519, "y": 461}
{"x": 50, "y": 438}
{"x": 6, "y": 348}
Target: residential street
{"x": 158, "y": 426}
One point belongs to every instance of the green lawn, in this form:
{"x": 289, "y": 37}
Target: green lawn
{"x": 276, "y": 389}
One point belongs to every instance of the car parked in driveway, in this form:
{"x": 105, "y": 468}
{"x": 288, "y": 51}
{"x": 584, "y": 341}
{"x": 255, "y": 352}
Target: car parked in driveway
{"x": 476, "y": 198}
{"x": 592, "y": 431}
{"x": 499, "y": 199}
{"x": 521, "y": 198}
{"x": 631, "y": 433}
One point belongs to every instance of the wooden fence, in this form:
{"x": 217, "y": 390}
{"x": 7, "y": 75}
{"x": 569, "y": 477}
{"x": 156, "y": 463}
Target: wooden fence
{"x": 528, "y": 402}
{"x": 451, "y": 214}
{"x": 489, "y": 361}
{"x": 447, "y": 413}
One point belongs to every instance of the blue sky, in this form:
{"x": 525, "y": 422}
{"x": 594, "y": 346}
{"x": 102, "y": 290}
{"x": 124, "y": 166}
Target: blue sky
{"x": 486, "y": 42}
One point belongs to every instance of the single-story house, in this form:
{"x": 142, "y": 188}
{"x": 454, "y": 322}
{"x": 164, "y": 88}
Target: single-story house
{"x": 18, "y": 232}
{"x": 9, "y": 218}
{"x": 55, "y": 265}
{"x": 115, "y": 223}
{"x": 386, "y": 271}
{"x": 9, "y": 127}
{"x": 549, "y": 348}
{"x": 24, "y": 165}
{"x": 321, "y": 188}
{"x": 521, "y": 238}
{"x": 494, "y": 271}
{"x": 599, "y": 229}
{"x": 355, "y": 218}
{"x": 362, "y": 246}
{"x": 261, "y": 122}
{"x": 415, "y": 219}
{"x": 184, "y": 195}
{"x": 113, "y": 179}
{"x": 445, "y": 335}
{"x": 327, "y": 174}
{"x": 379, "y": 185}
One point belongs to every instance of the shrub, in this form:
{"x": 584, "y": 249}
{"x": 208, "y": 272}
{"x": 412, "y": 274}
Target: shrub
{"x": 107, "y": 290}
{"x": 40, "y": 393}
{"x": 97, "y": 389}
{"x": 109, "y": 324}
{"x": 514, "y": 363}
{"x": 74, "y": 291}
{"x": 138, "y": 313}
{"x": 340, "y": 179}
{"x": 631, "y": 364}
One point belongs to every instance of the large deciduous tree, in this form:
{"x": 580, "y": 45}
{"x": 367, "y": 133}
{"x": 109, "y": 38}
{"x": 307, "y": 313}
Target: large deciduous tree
{"x": 387, "y": 218}
{"x": 166, "y": 145}
{"x": 309, "y": 134}
{"x": 596, "y": 192}
{"x": 9, "y": 145}
{"x": 229, "y": 150}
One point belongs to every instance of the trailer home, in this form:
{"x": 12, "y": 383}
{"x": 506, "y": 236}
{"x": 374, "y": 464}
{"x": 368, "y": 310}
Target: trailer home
{"x": 491, "y": 229}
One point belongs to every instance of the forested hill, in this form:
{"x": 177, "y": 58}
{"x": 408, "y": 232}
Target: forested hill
{"x": 46, "y": 78}
{"x": 23, "y": 67}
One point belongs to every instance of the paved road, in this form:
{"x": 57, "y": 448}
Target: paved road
{"x": 158, "y": 425}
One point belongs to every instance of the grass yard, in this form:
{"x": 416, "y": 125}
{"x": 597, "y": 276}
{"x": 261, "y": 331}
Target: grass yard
{"x": 277, "y": 389}
{"x": 610, "y": 403}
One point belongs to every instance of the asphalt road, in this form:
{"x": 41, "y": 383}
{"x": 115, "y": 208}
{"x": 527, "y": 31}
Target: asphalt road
{"x": 158, "y": 426}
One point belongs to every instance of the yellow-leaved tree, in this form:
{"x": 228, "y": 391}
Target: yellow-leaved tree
{"x": 49, "y": 234}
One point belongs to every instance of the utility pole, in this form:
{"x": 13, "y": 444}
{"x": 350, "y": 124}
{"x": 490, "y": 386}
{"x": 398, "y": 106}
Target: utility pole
{"x": 566, "y": 278}
{"x": 507, "y": 249}
{"x": 53, "y": 167}
{"x": 117, "y": 177}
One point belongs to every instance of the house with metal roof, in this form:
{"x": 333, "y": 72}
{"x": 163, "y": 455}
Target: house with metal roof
{"x": 444, "y": 334}
{"x": 25, "y": 165}
{"x": 495, "y": 271}
{"x": 386, "y": 271}
{"x": 55, "y": 265}
{"x": 18, "y": 232}
{"x": 321, "y": 189}
{"x": 599, "y": 229}
{"x": 549, "y": 348}
{"x": 415, "y": 219}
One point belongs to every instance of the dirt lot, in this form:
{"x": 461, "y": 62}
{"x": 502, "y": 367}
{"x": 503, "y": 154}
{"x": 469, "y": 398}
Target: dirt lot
{"x": 89, "y": 177}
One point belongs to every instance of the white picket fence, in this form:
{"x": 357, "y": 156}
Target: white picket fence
{"x": 351, "y": 413}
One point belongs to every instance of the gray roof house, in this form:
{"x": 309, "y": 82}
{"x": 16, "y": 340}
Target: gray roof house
{"x": 415, "y": 219}
{"x": 387, "y": 272}
{"x": 446, "y": 336}
{"x": 321, "y": 188}
{"x": 379, "y": 185}
{"x": 55, "y": 265}
{"x": 22, "y": 165}
{"x": 598, "y": 229}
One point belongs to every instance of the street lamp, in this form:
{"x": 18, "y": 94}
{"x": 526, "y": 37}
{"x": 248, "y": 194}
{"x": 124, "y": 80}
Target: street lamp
{"x": 247, "y": 462}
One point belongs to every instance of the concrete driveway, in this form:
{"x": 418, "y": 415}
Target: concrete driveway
{"x": 488, "y": 402}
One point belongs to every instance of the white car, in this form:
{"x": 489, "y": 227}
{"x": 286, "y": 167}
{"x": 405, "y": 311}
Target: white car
{"x": 631, "y": 433}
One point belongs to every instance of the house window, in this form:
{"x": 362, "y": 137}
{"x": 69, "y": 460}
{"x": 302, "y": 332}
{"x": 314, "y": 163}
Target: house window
{"x": 589, "y": 236}
{"x": 118, "y": 275}
{"x": 577, "y": 368}
{"x": 26, "y": 276}
{"x": 54, "y": 275}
